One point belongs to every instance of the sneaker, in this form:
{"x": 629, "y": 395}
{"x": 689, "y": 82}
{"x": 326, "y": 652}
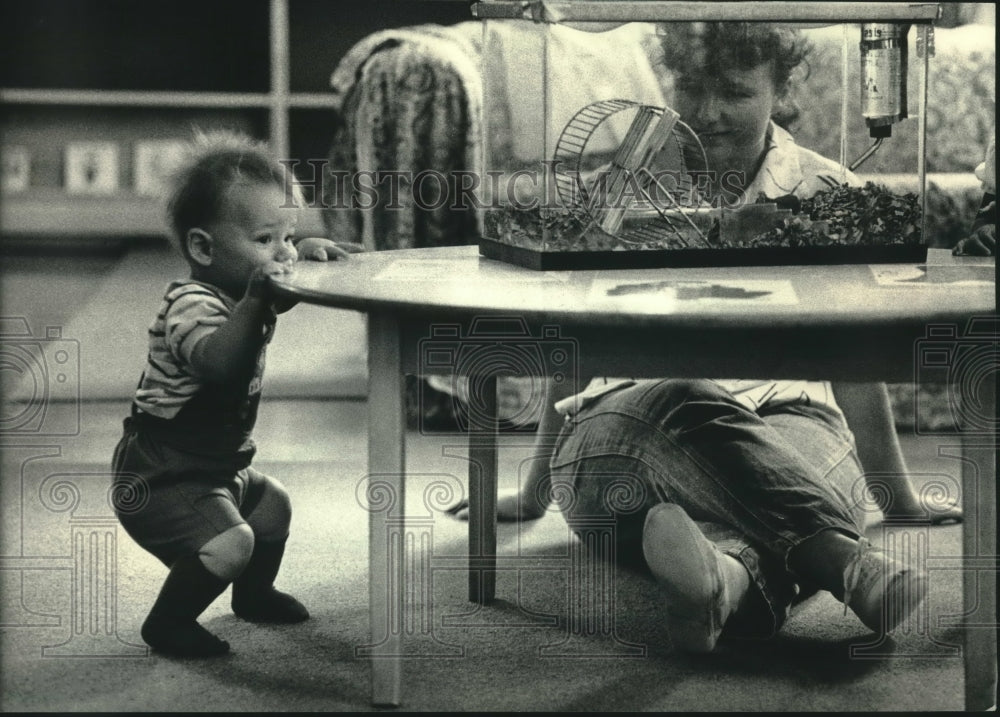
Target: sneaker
{"x": 881, "y": 591}
{"x": 690, "y": 569}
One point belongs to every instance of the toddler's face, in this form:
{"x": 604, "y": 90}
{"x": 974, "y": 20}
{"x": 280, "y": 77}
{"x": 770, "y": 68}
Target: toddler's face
{"x": 252, "y": 232}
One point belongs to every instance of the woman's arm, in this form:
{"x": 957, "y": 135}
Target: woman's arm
{"x": 534, "y": 494}
{"x": 868, "y": 411}
{"x": 532, "y": 498}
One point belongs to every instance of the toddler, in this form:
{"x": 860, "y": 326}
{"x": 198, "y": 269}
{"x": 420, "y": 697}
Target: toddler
{"x": 187, "y": 445}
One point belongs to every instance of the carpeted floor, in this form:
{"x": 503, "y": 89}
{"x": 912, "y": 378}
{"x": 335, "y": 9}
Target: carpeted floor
{"x": 75, "y": 590}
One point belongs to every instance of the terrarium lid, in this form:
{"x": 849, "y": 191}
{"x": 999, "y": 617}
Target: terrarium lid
{"x": 556, "y": 11}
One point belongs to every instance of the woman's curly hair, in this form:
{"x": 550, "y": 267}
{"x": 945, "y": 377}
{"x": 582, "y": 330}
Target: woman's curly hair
{"x": 710, "y": 48}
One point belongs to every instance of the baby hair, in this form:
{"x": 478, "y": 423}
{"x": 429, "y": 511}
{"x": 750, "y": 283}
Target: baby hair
{"x": 214, "y": 162}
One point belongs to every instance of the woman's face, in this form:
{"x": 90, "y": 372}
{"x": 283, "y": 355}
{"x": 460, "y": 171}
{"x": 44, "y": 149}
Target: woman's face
{"x": 729, "y": 111}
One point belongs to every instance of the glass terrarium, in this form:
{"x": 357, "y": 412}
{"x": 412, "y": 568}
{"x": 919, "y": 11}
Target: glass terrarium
{"x": 645, "y": 133}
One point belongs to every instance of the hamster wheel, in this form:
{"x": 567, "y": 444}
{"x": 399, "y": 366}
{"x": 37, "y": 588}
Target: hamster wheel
{"x": 657, "y": 146}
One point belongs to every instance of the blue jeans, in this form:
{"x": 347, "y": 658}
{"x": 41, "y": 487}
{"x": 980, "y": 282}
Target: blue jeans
{"x": 757, "y": 483}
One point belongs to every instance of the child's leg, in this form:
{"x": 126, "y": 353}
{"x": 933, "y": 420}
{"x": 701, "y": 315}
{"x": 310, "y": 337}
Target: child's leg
{"x": 268, "y": 511}
{"x": 195, "y": 528}
{"x": 193, "y": 583}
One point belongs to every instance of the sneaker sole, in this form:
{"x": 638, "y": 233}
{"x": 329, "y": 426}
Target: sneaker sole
{"x": 682, "y": 561}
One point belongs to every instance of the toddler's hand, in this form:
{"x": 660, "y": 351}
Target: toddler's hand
{"x": 258, "y": 287}
{"x": 323, "y": 249}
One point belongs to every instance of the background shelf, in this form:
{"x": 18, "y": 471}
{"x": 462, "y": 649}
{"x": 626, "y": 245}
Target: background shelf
{"x": 125, "y": 72}
{"x": 51, "y": 213}
{"x": 133, "y": 98}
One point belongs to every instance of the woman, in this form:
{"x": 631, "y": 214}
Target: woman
{"x": 982, "y": 239}
{"x": 768, "y": 469}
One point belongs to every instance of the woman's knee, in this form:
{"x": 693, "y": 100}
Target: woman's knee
{"x": 227, "y": 554}
{"x": 603, "y": 488}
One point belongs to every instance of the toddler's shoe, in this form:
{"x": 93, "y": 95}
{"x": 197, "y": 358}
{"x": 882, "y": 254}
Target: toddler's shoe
{"x": 172, "y": 624}
{"x": 180, "y": 637}
{"x": 254, "y": 595}
{"x": 269, "y": 605}
{"x": 689, "y": 566}
{"x": 881, "y": 591}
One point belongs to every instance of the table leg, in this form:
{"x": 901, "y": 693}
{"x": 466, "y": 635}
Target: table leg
{"x": 980, "y": 549}
{"x": 386, "y": 463}
{"x": 483, "y": 430}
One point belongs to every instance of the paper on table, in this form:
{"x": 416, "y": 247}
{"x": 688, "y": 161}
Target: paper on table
{"x": 929, "y": 274}
{"x": 666, "y": 295}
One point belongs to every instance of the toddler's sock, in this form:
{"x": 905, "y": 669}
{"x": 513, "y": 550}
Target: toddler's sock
{"x": 172, "y": 626}
{"x": 254, "y": 596}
